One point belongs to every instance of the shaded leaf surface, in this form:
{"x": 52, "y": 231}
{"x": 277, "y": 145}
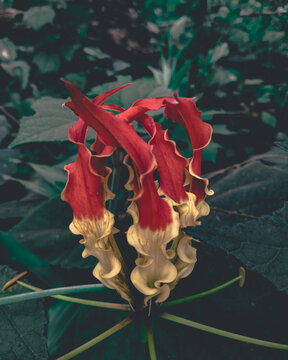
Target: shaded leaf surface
{"x": 256, "y": 188}
{"x": 49, "y": 123}
{"x": 22, "y": 325}
{"x": 38, "y": 16}
{"x": 45, "y": 231}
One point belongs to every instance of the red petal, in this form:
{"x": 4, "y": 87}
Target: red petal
{"x": 100, "y": 99}
{"x": 197, "y": 184}
{"x": 113, "y": 107}
{"x": 113, "y": 130}
{"x": 187, "y": 115}
{"x": 154, "y": 212}
{"x": 170, "y": 164}
{"x": 84, "y": 188}
{"x": 141, "y": 106}
{"x": 102, "y": 149}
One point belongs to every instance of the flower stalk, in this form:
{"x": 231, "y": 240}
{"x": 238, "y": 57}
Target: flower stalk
{"x": 227, "y": 334}
{"x": 45, "y": 293}
{"x": 96, "y": 340}
{"x": 150, "y": 341}
{"x": 203, "y": 293}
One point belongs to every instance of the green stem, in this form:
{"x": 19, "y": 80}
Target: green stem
{"x": 226, "y": 334}
{"x": 150, "y": 339}
{"x": 71, "y": 299}
{"x": 96, "y": 340}
{"x": 201, "y": 294}
{"x": 44, "y": 293}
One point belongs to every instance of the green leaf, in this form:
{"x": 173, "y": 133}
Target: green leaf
{"x": 141, "y": 88}
{"x": 49, "y": 123}
{"x": 7, "y": 163}
{"x": 67, "y": 329}
{"x": 18, "y": 209}
{"x": 28, "y": 259}
{"x": 36, "y": 186}
{"x": 96, "y": 53}
{"x": 258, "y": 188}
{"x": 272, "y": 36}
{"x": 22, "y": 326}
{"x": 210, "y": 152}
{"x": 268, "y": 119}
{"x": 221, "y": 129}
{"x": 19, "y": 69}
{"x": 219, "y": 52}
{"x": 178, "y": 27}
{"x": 45, "y": 231}
{"x": 54, "y": 175}
{"x": 5, "y": 127}
{"x": 78, "y": 79}
{"x": 8, "y": 51}
{"x": 68, "y": 51}
{"x": 223, "y": 77}
{"x": 38, "y": 16}
{"x": 47, "y": 62}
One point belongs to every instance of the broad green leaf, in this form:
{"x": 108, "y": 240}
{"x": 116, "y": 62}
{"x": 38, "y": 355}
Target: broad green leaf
{"x": 96, "y": 53}
{"x": 120, "y": 65}
{"x": 210, "y": 152}
{"x": 272, "y": 36}
{"x": 78, "y": 79}
{"x": 5, "y": 127}
{"x": 268, "y": 119}
{"x": 208, "y": 114}
{"x": 178, "y": 27}
{"x": 49, "y": 123}
{"x": 22, "y": 326}
{"x": 19, "y": 69}
{"x": 222, "y": 77}
{"x": 124, "y": 345}
{"x": 8, "y": 51}
{"x": 141, "y": 88}
{"x": 68, "y": 51}
{"x": 18, "y": 209}
{"x": 258, "y": 188}
{"x": 54, "y": 175}
{"x": 36, "y": 186}
{"x": 38, "y": 16}
{"x": 221, "y": 129}
{"x": 219, "y": 52}
{"x": 45, "y": 231}
{"x": 7, "y": 163}
{"x": 28, "y": 259}
{"x": 47, "y": 62}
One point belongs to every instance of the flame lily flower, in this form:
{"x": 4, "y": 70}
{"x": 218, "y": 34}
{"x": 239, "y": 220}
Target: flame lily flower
{"x": 159, "y": 211}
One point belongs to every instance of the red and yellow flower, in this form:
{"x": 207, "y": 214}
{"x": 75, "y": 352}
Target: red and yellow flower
{"x": 160, "y": 210}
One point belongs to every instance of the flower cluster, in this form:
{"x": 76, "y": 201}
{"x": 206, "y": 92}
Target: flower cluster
{"x": 159, "y": 209}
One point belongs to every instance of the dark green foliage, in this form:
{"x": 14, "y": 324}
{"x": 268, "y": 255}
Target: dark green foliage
{"x": 22, "y": 326}
{"x": 257, "y": 189}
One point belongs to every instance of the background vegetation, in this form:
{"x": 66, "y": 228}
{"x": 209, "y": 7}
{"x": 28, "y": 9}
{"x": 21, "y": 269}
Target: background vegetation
{"x": 231, "y": 56}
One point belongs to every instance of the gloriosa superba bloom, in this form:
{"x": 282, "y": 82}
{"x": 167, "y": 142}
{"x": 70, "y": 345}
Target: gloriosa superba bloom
{"x": 160, "y": 209}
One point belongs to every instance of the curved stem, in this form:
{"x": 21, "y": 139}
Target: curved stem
{"x": 223, "y": 333}
{"x": 101, "y": 304}
{"x": 96, "y": 340}
{"x": 150, "y": 339}
{"x": 203, "y": 293}
{"x": 49, "y": 292}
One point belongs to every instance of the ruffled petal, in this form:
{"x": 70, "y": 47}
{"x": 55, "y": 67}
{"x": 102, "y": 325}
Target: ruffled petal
{"x": 185, "y": 260}
{"x": 86, "y": 191}
{"x": 154, "y": 270}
